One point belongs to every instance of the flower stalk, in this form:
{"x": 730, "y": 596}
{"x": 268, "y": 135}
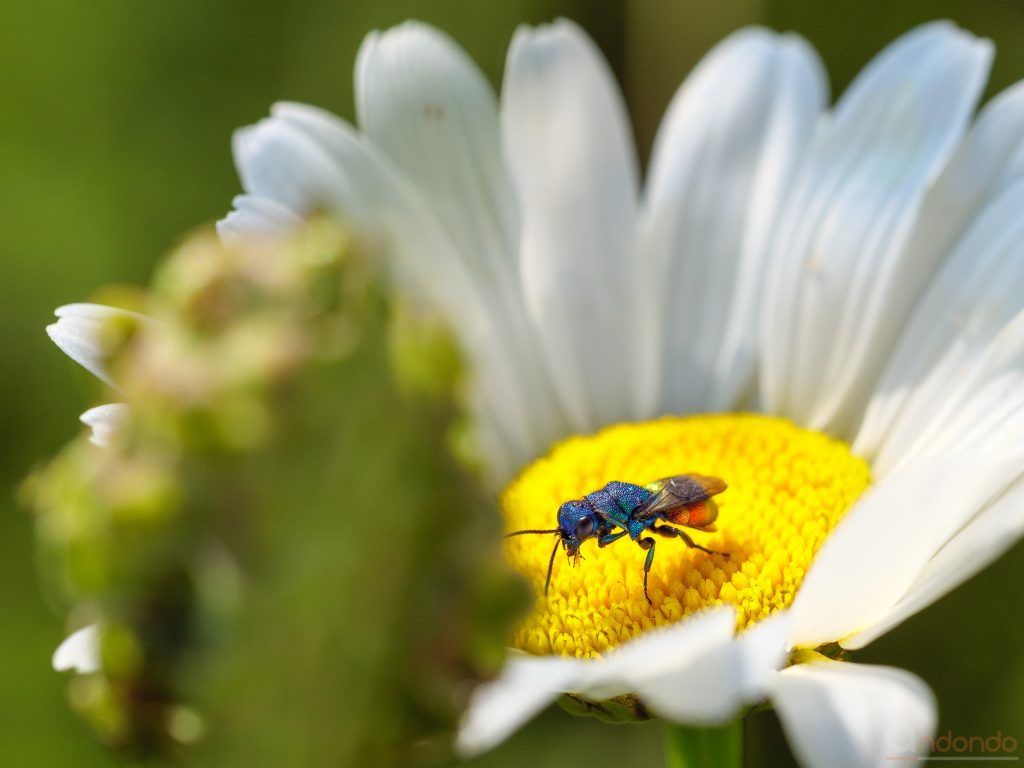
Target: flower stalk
{"x": 691, "y": 747}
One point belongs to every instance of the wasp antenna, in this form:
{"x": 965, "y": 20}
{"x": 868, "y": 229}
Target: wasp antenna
{"x": 551, "y": 564}
{"x": 518, "y": 533}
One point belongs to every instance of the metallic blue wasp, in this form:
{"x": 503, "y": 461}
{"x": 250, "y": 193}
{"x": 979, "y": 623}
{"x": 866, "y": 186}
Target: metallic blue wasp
{"x": 621, "y": 509}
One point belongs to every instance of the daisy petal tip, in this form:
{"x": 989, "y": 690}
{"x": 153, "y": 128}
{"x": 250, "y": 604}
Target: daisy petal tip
{"x": 242, "y": 138}
{"x": 753, "y": 35}
{"x": 227, "y": 229}
{"x": 411, "y": 33}
{"x": 500, "y": 707}
{"x": 78, "y": 333}
{"x": 559, "y": 33}
{"x": 80, "y": 652}
{"x": 282, "y": 108}
{"x": 81, "y": 309}
{"x": 854, "y": 715}
{"x": 796, "y": 45}
{"x": 948, "y": 33}
{"x": 104, "y": 421}
{"x": 567, "y": 26}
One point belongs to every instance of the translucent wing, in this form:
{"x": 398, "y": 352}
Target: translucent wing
{"x": 678, "y": 491}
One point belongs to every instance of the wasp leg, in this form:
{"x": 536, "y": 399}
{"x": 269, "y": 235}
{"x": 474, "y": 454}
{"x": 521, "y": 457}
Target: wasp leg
{"x": 608, "y": 538}
{"x": 669, "y": 531}
{"x": 647, "y": 543}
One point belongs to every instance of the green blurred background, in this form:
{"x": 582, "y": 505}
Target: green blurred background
{"x": 115, "y": 141}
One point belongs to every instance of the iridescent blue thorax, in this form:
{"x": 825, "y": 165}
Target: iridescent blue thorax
{"x": 610, "y": 507}
{"x": 616, "y": 501}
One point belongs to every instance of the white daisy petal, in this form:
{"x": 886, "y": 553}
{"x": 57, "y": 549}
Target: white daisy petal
{"x": 80, "y": 651}
{"x": 972, "y": 400}
{"x": 570, "y": 153}
{"x": 328, "y": 166}
{"x": 526, "y": 685}
{"x": 427, "y": 107}
{"x": 79, "y": 332}
{"x": 983, "y": 540}
{"x": 278, "y": 162}
{"x": 634, "y": 666}
{"x": 977, "y": 293}
{"x": 877, "y": 551}
{"x": 723, "y": 158}
{"x": 105, "y": 421}
{"x": 988, "y": 161}
{"x": 353, "y": 181}
{"x": 699, "y": 672}
{"x": 257, "y": 217}
{"x": 973, "y": 195}
{"x": 854, "y": 715}
{"x": 431, "y": 112}
{"x": 839, "y": 280}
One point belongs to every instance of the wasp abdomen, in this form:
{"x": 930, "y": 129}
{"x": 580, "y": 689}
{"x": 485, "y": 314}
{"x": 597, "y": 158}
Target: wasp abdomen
{"x": 695, "y": 515}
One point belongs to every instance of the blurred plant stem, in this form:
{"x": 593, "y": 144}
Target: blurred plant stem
{"x": 286, "y": 564}
{"x": 687, "y": 747}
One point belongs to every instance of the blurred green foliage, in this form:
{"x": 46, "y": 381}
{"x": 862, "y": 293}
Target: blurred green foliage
{"x": 117, "y": 116}
{"x": 273, "y": 497}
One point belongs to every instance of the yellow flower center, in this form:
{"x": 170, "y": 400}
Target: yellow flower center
{"x": 787, "y": 489}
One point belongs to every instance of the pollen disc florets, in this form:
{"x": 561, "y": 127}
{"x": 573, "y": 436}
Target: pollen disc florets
{"x": 788, "y": 487}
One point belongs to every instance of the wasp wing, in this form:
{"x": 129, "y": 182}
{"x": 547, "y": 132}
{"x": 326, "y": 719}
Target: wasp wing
{"x": 677, "y": 491}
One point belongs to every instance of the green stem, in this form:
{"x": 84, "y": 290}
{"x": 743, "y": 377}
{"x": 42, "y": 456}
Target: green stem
{"x": 704, "y": 747}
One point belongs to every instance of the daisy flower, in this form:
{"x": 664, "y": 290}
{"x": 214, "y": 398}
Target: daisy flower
{"x": 819, "y": 305}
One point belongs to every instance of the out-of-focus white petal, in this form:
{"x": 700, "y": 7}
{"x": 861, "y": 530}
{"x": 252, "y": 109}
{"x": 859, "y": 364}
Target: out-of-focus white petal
{"x": 964, "y": 312}
{"x": 722, "y": 162}
{"x": 840, "y": 283}
{"x": 105, "y": 421}
{"x": 526, "y": 685}
{"x": 984, "y": 539}
{"x": 428, "y": 108}
{"x": 970, "y": 219}
{"x": 635, "y": 665}
{"x": 276, "y": 162}
{"x": 431, "y": 112}
{"x": 992, "y": 156}
{"x": 256, "y": 217}
{"x": 697, "y": 672}
{"x": 570, "y": 153}
{"x": 307, "y": 160}
{"x": 973, "y": 399}
{"x": 80, "y": 651}
{"x": 79, "y": 332}
{"x": 336, "y": 170}
{"x": 854, "y": 715}
{"x": 878, "y": 550}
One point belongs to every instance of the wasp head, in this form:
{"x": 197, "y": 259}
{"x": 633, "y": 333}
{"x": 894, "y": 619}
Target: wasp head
{"x": 576, "y": 523}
